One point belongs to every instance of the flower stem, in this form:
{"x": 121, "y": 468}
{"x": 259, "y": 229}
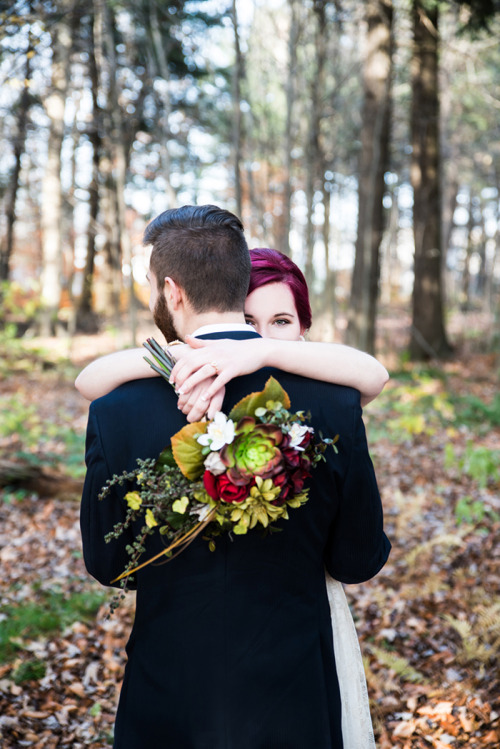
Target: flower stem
{"x": 183, "y": 541}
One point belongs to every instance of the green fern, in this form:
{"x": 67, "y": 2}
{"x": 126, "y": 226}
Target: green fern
{"x": 480, "y": 638}
{"x": 446, "y": 540}
{"x": 401, "y": 667}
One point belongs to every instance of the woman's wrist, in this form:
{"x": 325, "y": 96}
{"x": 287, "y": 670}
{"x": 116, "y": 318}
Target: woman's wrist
{"x": 265, "y": 352}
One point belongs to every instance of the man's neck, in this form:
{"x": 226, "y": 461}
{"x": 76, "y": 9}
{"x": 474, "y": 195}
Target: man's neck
{"x": 212, "y": 318}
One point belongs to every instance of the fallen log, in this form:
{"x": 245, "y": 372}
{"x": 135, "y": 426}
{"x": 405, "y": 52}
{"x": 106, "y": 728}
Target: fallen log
{"x": 17, "y": 473}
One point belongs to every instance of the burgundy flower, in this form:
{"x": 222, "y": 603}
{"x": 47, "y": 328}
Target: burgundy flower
{"x": 298, "y": 478}
{"x": 292, "y": 457}
{"x": 306, "y": 440}
{"x": 282, "y": 481}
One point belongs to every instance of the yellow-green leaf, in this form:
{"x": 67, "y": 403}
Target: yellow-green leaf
{"x": 134, "y": 500}
{"x": 180, "y": 505}
{"x": 262, "y": 516}
{"x": 187, "y": 451}
{"x": 248, "y": 405}
{"x": 240, "y": 529}
{"x": 151, "y": 521}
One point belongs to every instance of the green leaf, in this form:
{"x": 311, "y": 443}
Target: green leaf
{"x": 187, "y": 451}
{"x": 249, "y": 405}
{"x": 166, "y": 459}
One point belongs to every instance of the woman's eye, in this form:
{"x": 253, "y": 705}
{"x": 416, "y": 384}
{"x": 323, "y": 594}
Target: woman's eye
{"x": 250, "y": 322}
{"x": 281, "y": 322}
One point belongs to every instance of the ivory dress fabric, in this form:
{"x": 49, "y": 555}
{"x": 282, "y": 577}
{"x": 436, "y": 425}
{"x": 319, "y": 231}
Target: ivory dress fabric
{"x": 357, "y": 729}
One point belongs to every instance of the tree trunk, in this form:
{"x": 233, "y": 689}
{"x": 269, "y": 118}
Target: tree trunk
{"x": 237, "y": 133}
{"x": 374, "y": 158}
{"x": 293, "y": 39}
{"x": 390, "y": 272}
{"x": 466, "y": 278}
{"x": 315, "y": 157}
{"x": 121, "y": 160}
{"x": 86, "y": 319}
{"x": 112, "y": 269}
{"x": 480, "y": 285}
{"x": 428, "y": 336}
{"x": 119, "y": 153}
{"x": 51, "y": 200}
{"x": 159, "y": 63}
{"x": 492, "y": 290}
{"x": 18, "y": 144}
{"x": 106, "y": 71}
{"x": 328, "y": 297}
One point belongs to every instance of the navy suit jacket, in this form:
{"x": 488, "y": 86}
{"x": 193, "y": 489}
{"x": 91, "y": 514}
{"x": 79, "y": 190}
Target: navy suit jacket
{"x": 232, "y": 649}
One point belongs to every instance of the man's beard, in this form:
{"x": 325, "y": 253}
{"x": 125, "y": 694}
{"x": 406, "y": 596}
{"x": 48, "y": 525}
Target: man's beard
{"x": 164, "y": 320}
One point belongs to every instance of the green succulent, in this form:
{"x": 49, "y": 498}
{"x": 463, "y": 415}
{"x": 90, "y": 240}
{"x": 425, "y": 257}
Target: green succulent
{"x": 253, "y": 452}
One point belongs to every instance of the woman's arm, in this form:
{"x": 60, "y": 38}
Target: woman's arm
{"x": 321, "y": 361}
{"x": 330, "y": 362}
{"x": 106, "y": 373}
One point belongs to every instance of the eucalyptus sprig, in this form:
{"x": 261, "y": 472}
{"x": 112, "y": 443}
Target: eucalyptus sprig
{"x": 164, "y": 361}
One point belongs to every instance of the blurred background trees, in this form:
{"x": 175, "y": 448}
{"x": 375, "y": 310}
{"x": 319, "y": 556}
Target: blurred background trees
{"x": 362, "y": 138}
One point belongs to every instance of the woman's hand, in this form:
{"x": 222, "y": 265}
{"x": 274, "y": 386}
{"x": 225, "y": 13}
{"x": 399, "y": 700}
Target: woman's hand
{"x": 195, "y": 405}
{"x": 215, "y": 363}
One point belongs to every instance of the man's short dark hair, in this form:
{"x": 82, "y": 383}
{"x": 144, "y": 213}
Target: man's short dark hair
{"x": 203, "y": 249}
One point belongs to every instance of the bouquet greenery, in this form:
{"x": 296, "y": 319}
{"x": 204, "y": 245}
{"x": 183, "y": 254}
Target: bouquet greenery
{"x": 229, "y": 474}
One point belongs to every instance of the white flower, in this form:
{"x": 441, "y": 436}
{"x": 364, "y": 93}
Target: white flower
{"x": 201, "y": 512}
{"x": 296, "y": 434}
{"x": 220, "y": 432}
{"x": 214, "y": 464}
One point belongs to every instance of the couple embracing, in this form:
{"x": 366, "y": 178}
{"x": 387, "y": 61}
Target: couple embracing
{"x": 237, "y": 648}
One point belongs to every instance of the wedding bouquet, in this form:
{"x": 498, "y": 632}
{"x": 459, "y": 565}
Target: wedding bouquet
{"x": 228, "y": 474}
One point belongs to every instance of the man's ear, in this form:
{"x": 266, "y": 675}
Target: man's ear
{"x": 173, "y": 293}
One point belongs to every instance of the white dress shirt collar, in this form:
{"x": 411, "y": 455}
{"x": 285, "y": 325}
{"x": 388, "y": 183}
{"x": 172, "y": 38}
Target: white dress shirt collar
{"x": 223, "y": 328}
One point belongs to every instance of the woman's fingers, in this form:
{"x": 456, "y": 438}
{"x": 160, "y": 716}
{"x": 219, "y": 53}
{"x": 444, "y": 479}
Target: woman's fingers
{"x": 215, "y": 402}
{"x": 195, "y": 412}
{"x": 195, "y": 407}
{"x": 192, "y": 404}
{"x": 190, "y": 362}
{"x": 187, "y": 374}
{"x": 222, "y": 358}
{"x": 219, "y": 383}
{"x": 205, "y": 373}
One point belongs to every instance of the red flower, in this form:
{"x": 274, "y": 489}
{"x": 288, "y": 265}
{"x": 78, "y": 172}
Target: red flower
{"x": 221, "y": 488}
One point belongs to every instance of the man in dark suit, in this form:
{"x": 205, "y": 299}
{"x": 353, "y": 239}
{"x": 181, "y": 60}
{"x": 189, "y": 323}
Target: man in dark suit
{"x": 230, "y": 649}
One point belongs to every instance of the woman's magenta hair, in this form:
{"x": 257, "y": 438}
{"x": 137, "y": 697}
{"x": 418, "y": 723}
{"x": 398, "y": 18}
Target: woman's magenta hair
{"x": 271, "y": 266}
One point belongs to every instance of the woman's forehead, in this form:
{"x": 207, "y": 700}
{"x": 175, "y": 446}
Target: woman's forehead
{"x": 271, "y": 296}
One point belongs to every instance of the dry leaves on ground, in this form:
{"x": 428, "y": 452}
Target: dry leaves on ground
{"x": 429, "y": 623}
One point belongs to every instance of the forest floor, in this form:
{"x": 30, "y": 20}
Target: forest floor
{"x": 429, "y": 623}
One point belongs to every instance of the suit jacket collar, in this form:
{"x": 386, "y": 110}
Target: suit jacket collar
{"x": 237, "y": 335}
